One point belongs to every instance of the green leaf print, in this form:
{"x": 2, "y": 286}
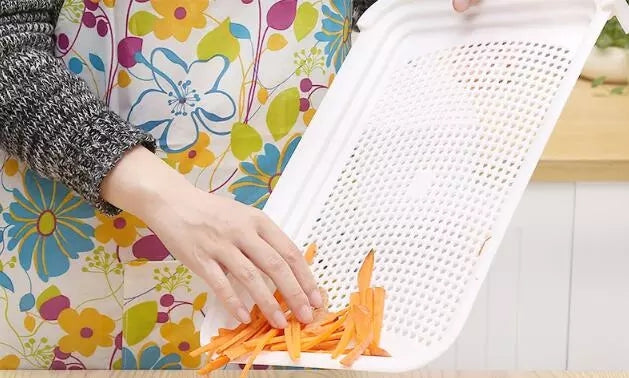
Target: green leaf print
{"x": 283, "y": 113}
{"x": 139, "y": 321}
{"x": 141, "y": 23}
{"x": 72, "y": 11}
{"x": 245, "y": 140}
{"x": 219, "y": 41}
{"x": 307, "y": 17}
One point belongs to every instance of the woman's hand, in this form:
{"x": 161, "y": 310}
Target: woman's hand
{"x": 462, "y": 5}
{"x": 211, "y": 234}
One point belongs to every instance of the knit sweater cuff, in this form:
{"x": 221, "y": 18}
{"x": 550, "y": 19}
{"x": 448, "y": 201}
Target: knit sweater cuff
{"x": 99, "y": 165}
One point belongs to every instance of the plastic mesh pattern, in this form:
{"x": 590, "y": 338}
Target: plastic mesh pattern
{"x": 410, "y": 191}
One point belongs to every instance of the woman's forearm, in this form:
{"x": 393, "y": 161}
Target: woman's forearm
{"x": 48, "y": 117}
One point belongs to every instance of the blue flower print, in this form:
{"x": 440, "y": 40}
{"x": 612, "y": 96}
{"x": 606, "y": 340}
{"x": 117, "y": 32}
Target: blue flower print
{"x": 337, "y": 31}
{"x": 47, "y": 226}
{"x": 185, "y": 97}
{"x": 149, "y": 358}
{"x": 261, "y": 176}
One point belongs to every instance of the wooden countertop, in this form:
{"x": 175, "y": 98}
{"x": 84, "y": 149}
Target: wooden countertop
{"x": 591, "y": 140}
{"x": 307, "y": 374}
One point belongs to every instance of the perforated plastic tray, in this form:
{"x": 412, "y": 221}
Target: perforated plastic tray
{"x": 421, "y": 150}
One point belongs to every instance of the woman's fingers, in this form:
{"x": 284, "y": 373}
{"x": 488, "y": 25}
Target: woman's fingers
{"x": 248, "y": 275}
{"x": 274, "y": 266}
{"x": 223, "y": 289}
{"x": 278, "y": 240}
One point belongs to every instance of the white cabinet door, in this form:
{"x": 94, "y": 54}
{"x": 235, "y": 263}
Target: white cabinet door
{"x": 520, "y": 320}
{"x": 599, "y": 320}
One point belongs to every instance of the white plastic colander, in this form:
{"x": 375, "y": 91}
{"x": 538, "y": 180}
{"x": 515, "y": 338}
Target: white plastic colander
{"x": 422, "y": 149}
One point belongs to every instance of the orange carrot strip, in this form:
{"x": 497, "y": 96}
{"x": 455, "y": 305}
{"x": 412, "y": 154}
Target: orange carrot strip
{"x": 378, "y": 314}
{"x": 321, "y": 318}
{"x": 243, "y": 335}
{"x": 348, "y": 335}
{"x": 214, "y": 364}
{"x": 255, "y": 313}
{"x": 304, "y": 341}
{"x": 325, "y": 335}
{"x": 281, "y": 339}
{"x": 296, "y": 331}
{"x": 213, "y": 345}
{"x": 351, "y": 357}
{"x": 364, "y": 275}
{"x": 261, "y": 331}
{"x": 224, "y": 331}
{"x": 354, "y": 299}
{"x": 379, "y": 352}
{"x": 290, "y": 342}
{"x": 362, "y": 321}
{"x": 281, "y": 347}
{"x": 310, "y": 253}
{"x": 327, "y": 345}
{"x": 281, "y": 301}
{"x": 236, "y": 351}
{"x": 260, "y": 345}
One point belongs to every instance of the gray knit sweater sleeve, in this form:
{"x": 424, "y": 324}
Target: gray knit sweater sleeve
{"x": 48, "y": 117}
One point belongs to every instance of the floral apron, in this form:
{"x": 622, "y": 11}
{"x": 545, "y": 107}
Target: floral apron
{"x": 226, "y": 87}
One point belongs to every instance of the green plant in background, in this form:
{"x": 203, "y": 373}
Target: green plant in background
{"x": 607, "y": 90}
{"x": 613, "y": 35}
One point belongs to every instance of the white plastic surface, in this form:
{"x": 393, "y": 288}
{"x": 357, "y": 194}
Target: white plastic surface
{"x": 421, "y": 150}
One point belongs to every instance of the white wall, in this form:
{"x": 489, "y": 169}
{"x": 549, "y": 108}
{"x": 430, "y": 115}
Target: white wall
{"x": 557, "y": 296}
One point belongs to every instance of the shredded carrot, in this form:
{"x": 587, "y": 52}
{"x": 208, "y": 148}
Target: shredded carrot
{"x": 262, "y": 331}
{"x": 369, "y": 307}
{"x": 347, "y": 336}
{"x": 351, "y": 357}
{"x": 378, "y": 314}
{"x": 214, "y": 365}
{"x": 310, "y": 253}
{"x": 212, "y": 346}
{"x": 324, "y": 336}
{"x": 364, "y": 275}
{"x": 291, "y": 347}
{"x": 304, "y": 341}
{"x": 354, "y": 299}
{"x": 327, "y": 345}
{"x": 359, "y": 325}
{"x": 320, "y": 318}
{"x": 281, "y": 301}
{"x": 243, "y": 335}
{"x": 281, "y": 340}
{"x": 379, "y": 352}
{"x": 260, "y": 345}
{"x": 296, "y": 331}
{"x": 236, "y": 351}
{"x": 362, "y": 322}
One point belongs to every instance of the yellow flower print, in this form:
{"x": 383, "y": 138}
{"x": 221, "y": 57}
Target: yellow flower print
{"x": 197, "y": 154}
{"x": 85, "y": 331}
{"x": 108, "y": 3}
{"x": 122, "y": 228}
{"x": 179, "y": 17}
{"x": 11, "y": 167}
{"x": 10, "y": 362}
{"x": 182, "y": 339}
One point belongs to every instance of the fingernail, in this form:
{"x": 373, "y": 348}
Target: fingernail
{"x": 305, "y": 314}
{"x": 243, "y": 316}
{"x": 279, "y": 319}
{"x": 315, "y": 299}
